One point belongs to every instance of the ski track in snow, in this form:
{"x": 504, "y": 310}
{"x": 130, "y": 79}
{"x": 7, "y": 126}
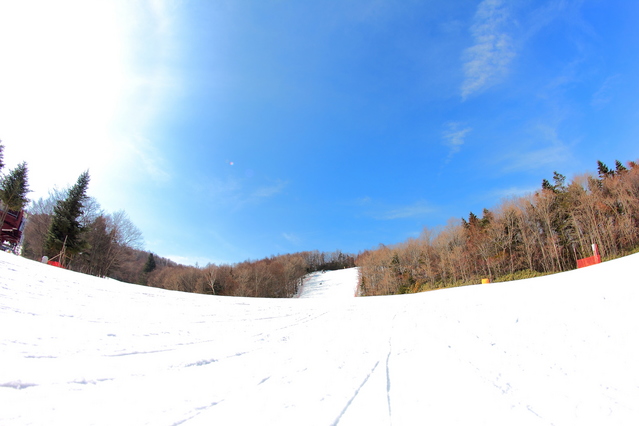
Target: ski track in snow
{"x": 556, "y": 350}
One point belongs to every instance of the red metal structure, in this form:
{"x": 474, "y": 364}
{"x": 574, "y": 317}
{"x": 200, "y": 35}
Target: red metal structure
{"x": 12, "y": 227}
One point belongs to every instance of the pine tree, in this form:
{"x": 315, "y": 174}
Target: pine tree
{"x": 620, "y": 167}
{"x": 603, "y": 170}
{"x": 14, "y": 190}
{"x": 149, "y": 266}
{"x": 560, "y": 182}
{"x": 65, "y": 232}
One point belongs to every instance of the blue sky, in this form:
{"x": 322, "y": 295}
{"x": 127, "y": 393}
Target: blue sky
{"x": 234, "y": 130}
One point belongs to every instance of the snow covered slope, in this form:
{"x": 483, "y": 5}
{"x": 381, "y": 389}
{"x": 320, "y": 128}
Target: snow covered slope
{"x": 79, "y": 350}
{"x": 341, "y": 284}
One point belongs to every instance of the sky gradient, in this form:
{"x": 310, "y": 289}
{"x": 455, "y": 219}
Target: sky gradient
{"x": 235, "y": 130}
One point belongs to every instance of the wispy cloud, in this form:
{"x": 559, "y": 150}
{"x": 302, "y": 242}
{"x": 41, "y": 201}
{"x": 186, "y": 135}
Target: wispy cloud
{"x": 605, "y": 93}
{"x": 548, "y": 149}
{"x": 144, "y": 156}
{"x": 268, "y": 191}
{"x": 454, "y": 136}
{"x": 237, "y": 193}
{"x": 486, "y": 61}
{"x": 363, "y": 201}
{"x": 513, "y": 191}
{"x": 291, "y": 238}
{"x": 417, "y": 209}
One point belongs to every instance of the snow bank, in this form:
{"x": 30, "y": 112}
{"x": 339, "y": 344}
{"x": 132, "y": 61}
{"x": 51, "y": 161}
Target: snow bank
{"x": 561, "y": 349}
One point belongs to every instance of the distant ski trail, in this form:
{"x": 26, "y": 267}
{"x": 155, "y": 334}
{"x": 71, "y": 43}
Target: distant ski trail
{"x": 340, "y": 284}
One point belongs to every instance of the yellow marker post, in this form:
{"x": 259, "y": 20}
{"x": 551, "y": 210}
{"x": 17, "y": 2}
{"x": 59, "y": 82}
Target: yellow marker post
{"x": 485, "y": 280}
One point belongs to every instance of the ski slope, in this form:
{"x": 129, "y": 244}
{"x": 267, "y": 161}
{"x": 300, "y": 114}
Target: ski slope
{"x": 330, "y": 285}
{"x": 79, "y": 350}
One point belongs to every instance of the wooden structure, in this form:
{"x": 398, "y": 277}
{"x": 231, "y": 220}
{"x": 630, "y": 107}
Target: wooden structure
{"x": 12, "y": 227}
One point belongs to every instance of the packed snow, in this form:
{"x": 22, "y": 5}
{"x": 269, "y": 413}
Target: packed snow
{"x": 342, "y": 284}
{"x": 80, "y": 350}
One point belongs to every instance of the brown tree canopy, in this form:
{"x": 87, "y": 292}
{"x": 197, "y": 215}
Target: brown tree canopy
{"x": 544, "y": 232}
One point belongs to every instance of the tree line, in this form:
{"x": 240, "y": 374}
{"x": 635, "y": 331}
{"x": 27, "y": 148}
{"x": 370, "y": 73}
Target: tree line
{"x": 544, "y": 232}
{"x": 276, "y": 276}
{"x": 71, "y": 228}
{"x": 540, "y": 233}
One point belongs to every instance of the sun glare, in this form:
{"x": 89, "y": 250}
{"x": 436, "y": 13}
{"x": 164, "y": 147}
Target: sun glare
{"x": 64, "y": 78}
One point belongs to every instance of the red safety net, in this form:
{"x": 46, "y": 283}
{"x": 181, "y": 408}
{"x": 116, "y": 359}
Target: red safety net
{"x": 588, "y": 261}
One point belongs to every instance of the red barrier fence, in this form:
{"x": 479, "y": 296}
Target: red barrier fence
{"x": 592, "y": 260}
{"x": 588, "y": 261}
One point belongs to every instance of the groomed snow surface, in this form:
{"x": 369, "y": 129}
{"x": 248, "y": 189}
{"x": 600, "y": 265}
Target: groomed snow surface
{"x": 557, "y": 350}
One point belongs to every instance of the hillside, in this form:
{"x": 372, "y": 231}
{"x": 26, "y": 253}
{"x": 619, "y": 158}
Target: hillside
{"x": 560, "y": 349}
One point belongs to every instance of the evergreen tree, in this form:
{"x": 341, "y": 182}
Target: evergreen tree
{"x": 558, "y": 187}
{"x": 13, "y": 190}
{"x": 620, "y": 167}
{"x": 545, "y": 184}
{"x": 486, "y": 219}
{"x": 560, "y": 182}
{"x": 66, "y": 231}
{"x": 149, "y": 266}
{"x": 603, "y": 170}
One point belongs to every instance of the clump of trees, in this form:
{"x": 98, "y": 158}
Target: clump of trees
{"x": 541, "y": 233}
{"x": 72, "y": 228}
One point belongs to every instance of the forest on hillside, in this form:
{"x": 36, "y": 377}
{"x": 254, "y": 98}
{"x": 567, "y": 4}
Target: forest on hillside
{"x": 540, "y": 233}
{"x": 109, "y": 245}
{"x": 545, "y": 232}
{"x": 71, "y": 230}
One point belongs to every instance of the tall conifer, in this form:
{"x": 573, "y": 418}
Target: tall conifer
{"x": 66, "y": 231}
{"x": 149, "y": 266}
{"x": 14, "y": 188}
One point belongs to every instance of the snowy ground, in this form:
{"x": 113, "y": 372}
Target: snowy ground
{"x": 78, "y": 350}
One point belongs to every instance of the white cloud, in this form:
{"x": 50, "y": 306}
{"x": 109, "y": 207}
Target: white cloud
{"x": 363, "y": 201}
{"x": 268, "y": 191}
{"x": 291, "y": 238}
{"x": 414, "y": 210}
{"x": 548, "y": 149}
{"x": 486, "y": 61}
{"x": 604, "y": 95}
{"x": 454, "y": 136}
{"x": 513, "y": 191}
{"x": 234, "y": 193}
